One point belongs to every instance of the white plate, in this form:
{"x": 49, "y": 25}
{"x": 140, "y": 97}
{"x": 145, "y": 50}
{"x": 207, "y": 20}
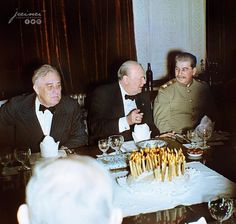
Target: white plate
{"x": 151, "y": 143}
{"x": 194, "y": 154}
{"x": 128, "y": 146}
{"x": 189, "y": 146}
{"x": 114, "y": 161}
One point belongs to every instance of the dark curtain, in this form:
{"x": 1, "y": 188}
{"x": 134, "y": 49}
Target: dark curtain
{"x": 86, "y": 40}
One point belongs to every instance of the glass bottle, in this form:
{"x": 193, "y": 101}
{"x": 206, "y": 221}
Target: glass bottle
{"x": 149, "y": 78}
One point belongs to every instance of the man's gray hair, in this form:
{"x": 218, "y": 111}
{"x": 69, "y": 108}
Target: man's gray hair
{"x": 125, "y": 67}
{"x": 70, "y": 190}
{"x": 43, "y": 71}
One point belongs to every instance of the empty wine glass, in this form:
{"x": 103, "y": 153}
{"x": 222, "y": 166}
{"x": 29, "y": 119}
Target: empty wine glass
{"x": 205, "y": 134}
{"x": 103, "y": 145}
{"x": 221, "y": 208}
{"x": 116, "y": 141}
{"x": 191, "y": 135}
{"x": 23, "y": 155}
{"x": 5, "y": 159}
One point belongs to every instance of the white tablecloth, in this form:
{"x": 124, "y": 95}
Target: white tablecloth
{"x": 198, "y": 185}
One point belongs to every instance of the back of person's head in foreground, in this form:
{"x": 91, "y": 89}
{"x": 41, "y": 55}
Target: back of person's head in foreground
{"x": 69, "y": 190}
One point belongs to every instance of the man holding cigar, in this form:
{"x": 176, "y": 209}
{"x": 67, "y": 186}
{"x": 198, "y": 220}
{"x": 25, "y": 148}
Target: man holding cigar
{"x": 115, "y": 108}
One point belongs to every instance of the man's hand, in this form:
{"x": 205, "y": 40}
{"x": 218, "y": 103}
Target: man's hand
{"x": 134, "y": 117}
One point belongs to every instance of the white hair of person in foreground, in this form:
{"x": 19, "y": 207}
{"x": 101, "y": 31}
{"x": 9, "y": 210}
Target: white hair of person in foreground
{"x": 70, "y": 190}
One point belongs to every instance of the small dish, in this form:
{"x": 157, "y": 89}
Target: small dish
{"x": 116, "y": 161}
{"x": 195, "y": 152}
{"x": 151, "y": 143}
{"x": 128, "y": 146}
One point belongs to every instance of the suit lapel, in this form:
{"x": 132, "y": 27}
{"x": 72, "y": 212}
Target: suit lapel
{"x": 30, "y": 117}
{"x": 118, "y": 105}
{"x": 58, "y": 121}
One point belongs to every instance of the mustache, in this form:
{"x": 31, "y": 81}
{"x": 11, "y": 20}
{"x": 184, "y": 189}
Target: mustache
{"x": 180, "y": 76}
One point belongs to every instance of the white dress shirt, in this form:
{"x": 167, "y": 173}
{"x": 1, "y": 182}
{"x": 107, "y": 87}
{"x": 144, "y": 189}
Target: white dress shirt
{"x": 129, "y": 105}
{"x": 45, "y": 118}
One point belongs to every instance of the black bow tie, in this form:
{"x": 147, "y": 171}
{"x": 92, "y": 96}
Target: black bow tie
{"x": 43, "y": 108}
{"x": 128, "y": 97}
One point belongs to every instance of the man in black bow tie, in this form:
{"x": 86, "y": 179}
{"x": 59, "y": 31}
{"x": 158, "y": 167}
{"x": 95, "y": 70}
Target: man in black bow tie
{"x": 45, "y": 112}
{"x": 115, "y": 108}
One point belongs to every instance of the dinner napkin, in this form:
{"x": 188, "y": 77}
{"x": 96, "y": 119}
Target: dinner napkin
{"x": 48, "y": 147}
{"x": 141, "y": 132}
{"x": 205, "y": 125}
{"x": 202, "y": 220}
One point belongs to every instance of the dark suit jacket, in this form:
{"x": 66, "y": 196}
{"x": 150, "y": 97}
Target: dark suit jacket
{"x": 67, "y": 125}
{"x": 107, "y": 107}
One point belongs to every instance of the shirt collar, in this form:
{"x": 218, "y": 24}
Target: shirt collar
{"x": 123, "y": 92}
{"x": 37, "y": 103}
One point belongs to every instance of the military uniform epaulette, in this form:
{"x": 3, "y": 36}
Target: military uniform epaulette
{"x": 172, "y": 81}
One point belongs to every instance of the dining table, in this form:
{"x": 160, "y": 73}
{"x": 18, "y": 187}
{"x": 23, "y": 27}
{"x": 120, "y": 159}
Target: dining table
{"x": 219, "y": 157}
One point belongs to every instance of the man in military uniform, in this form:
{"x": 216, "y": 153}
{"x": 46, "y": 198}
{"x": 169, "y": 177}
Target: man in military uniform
{"x": 183, "y": 101}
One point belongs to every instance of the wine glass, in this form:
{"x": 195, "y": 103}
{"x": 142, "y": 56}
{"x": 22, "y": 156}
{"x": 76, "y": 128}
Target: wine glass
{"x": 205, "y": 134}
{"x": 191, "y": 135}
{"x": 23, "y": 155}
{"x": 116, "y": 141}
{"x": 103, "y": 145}
{"x": 5, "y": 159}
{"x": 221, "y": 208}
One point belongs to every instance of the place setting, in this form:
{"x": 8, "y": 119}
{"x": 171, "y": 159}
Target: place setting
{"x": 116, "y": 159}
{"x": 197, "y": 146}
{"x": 122, "y": 149}
{"x": 204, "y": 137}
{"x": 14, "y": 164}
{"x": 6, "y": 162}
{"x": 49, "y": 149}
{"x": 198, "y": 139}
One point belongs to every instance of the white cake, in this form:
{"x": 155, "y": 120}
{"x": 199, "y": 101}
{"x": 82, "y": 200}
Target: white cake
{"x": 146, "y": 183}
{"x": 159, "y": 163}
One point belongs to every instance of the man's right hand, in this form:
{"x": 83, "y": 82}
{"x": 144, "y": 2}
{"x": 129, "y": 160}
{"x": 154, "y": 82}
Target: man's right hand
{"x": 134, "y": 117}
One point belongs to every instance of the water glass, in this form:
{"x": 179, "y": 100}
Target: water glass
{"x": 22, "y": 155}
{"x": 103, "y": 145}
{"x": 191, "y": 135}
{"x": 5, "y": 159}
{"x": 116, "y": 141}
{"x": 221, "y": 208}
{"x": 206, "y": 135}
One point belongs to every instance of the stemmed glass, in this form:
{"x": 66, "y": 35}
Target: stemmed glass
{"x": 5, "y": 159}
{"x": 23, "y": 155}
{"x": 205, "y": 135}
{"x": 221, "y": 208}
{"x": 116, "y": 141}
{"x": 103, "y": 145}
{"x": 191, "y": 135}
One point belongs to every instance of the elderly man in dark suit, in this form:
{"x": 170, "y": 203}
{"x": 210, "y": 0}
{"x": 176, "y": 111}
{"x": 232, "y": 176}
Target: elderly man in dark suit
{"x": 115, "y": 108}
{"x": 45, "y": 112}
